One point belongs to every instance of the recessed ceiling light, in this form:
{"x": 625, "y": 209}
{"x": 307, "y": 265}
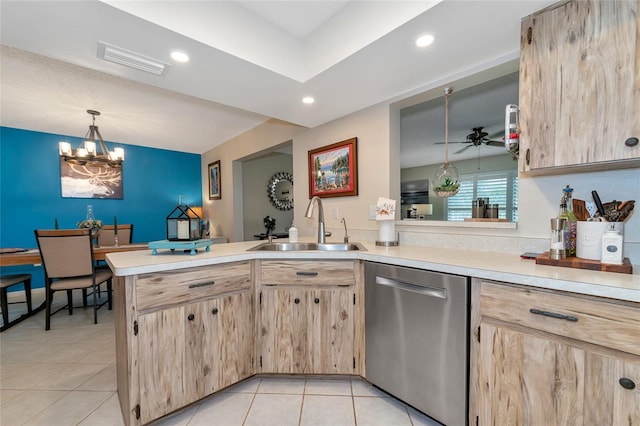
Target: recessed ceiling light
{"x": 425, "y": 40}
{"x": 179, "y": 56}
{"x": 308, "y": 100}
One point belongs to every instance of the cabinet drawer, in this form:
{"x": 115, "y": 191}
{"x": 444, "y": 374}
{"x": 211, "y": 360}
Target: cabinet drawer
{"x": 601, "y": 322}
{"x": 331, "y": 272}
{"x": 186, "y": 285}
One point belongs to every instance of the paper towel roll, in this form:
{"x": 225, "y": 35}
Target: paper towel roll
{"x": 387, "y": 231}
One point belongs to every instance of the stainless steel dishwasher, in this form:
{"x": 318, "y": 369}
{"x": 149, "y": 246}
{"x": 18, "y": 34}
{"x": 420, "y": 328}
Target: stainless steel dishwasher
{"x": 416, "y": 332}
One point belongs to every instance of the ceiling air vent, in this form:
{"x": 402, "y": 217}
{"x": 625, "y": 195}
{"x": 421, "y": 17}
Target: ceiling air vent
{"x": 131, "y": 59}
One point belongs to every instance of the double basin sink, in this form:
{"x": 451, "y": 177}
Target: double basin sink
{"x": 286, "y": 246}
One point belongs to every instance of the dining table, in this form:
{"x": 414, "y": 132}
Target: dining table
{"x": 17, "y": 256}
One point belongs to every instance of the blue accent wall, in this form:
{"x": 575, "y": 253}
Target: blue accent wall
{"x": 30, "y": 190}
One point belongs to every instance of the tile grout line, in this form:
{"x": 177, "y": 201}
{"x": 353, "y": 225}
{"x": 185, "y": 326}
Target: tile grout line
{"x": 45, "y": 408}
{"x": 98, "y": 407}
{"x": 255, "y": 394}
{"x": 304, "y": 392}
{"x": 406, "y": 408}
{"x": 353, "y": 404}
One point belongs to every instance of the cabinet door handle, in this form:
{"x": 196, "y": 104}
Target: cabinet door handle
{"x": 307, "y": 273}
{"x": 214, "y": 311}
{"x": 296, "y": 300}
{"x": 627, "y": 383}
{"x": 553, "y": 315}
{"x": 316, "y": 300}
{"x": 631, "y": 142}
{"x": 191, "y": 317}
{"x": 196, "y": 285}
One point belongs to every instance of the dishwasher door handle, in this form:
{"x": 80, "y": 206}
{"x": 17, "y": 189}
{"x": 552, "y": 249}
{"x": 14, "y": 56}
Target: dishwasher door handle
{"x": 439, "y": 293}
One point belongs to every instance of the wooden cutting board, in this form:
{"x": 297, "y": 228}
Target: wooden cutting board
{"x": 576, "y": 262}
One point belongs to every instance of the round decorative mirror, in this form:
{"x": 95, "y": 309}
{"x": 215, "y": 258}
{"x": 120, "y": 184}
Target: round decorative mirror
{"x": 280, "y": 191}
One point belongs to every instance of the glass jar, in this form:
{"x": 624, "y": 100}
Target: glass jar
{"x": 478, "y": 208}
{"x": 492, "y": 211}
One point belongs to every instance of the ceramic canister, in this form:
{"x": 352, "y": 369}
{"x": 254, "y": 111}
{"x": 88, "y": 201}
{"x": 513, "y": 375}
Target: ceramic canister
{"x": 612, "y": 248}
{"x": 589, "y": 238}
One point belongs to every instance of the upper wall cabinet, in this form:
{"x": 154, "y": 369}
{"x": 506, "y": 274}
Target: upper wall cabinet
{"x": 580, "y": 87}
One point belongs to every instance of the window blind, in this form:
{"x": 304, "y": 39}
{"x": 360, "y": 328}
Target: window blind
{"x": 500, "y": 187}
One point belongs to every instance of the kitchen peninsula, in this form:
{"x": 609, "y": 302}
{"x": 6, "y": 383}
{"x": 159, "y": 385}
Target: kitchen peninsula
{"x": 188, "y": 326}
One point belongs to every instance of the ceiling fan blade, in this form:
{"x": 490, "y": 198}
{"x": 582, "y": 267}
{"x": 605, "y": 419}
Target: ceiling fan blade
{"x": 495, "y": 143}
{"x": 460, "y": 150}
{"x": 442, "y": 143}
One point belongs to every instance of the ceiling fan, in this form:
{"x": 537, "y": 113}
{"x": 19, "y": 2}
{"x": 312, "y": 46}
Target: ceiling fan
{"x": 477, "y": 138}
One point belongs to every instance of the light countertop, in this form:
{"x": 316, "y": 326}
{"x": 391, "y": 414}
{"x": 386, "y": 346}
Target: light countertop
{"x": 488, "y": 265}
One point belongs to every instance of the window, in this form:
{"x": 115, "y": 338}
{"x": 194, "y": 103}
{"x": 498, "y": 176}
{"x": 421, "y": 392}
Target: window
{"x": 500, "y": 187}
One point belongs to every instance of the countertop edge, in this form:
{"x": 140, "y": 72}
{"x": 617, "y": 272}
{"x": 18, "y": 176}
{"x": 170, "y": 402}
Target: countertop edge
{"x": 483, "y": 265}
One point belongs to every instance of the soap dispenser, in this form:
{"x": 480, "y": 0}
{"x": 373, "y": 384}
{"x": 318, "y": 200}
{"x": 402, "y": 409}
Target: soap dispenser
{"x": 293, "y": 233}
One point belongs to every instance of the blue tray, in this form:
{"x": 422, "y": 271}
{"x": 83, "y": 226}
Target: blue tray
{"x": 180, "y": 245}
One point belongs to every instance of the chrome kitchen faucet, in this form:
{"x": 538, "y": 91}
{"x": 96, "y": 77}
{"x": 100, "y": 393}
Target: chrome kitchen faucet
{"x": 309, "y": 213}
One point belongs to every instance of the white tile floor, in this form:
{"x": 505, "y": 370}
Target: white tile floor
{"x": 67, "y": 376}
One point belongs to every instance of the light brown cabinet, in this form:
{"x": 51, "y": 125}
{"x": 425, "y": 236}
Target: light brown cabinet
{"x": 545, "y": 357}
{"x": 181, "y": 336}
{"x": 219, "y": 343}
{"x": 309, "y": 317}
{"x": 161, "y": 359}
{"x": 307, "y": 331}
{"x": 579, "y": 86}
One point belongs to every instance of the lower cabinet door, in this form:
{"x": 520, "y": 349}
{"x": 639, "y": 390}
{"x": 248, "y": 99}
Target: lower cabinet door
{"x": 201, "y": 375}
{"x": 192, "y": 351}
{"x": 236, "y": 338}
{"x": 330, "y": 331}
{"x": 307, "y": 331}
{"x": 219, "y": 349}
{"x": 530, "y": 380}
{"x": 161, "y": 358}
{"x": 283, "y": 331}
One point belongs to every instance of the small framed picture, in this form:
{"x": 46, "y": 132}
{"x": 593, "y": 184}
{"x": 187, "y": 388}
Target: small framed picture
{"x": 333, "y": 170}
{"x": 215, "y": 187}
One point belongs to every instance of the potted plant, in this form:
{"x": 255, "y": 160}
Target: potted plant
{"x": 94, "y": 225}
{"x": 447, "y": 188}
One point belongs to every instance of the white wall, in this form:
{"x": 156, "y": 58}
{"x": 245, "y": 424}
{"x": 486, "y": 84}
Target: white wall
{"x": 371, "y": 127}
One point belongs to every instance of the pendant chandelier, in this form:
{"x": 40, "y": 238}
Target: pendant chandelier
{"x": 446, "y": 180}
{"x": 93, "y": 150}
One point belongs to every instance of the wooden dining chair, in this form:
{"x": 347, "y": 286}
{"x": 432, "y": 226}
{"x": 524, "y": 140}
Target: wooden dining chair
{"x": 67, "y": 258}
{"x": 7, "y": 281}
{"x": 106, "y": 237}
